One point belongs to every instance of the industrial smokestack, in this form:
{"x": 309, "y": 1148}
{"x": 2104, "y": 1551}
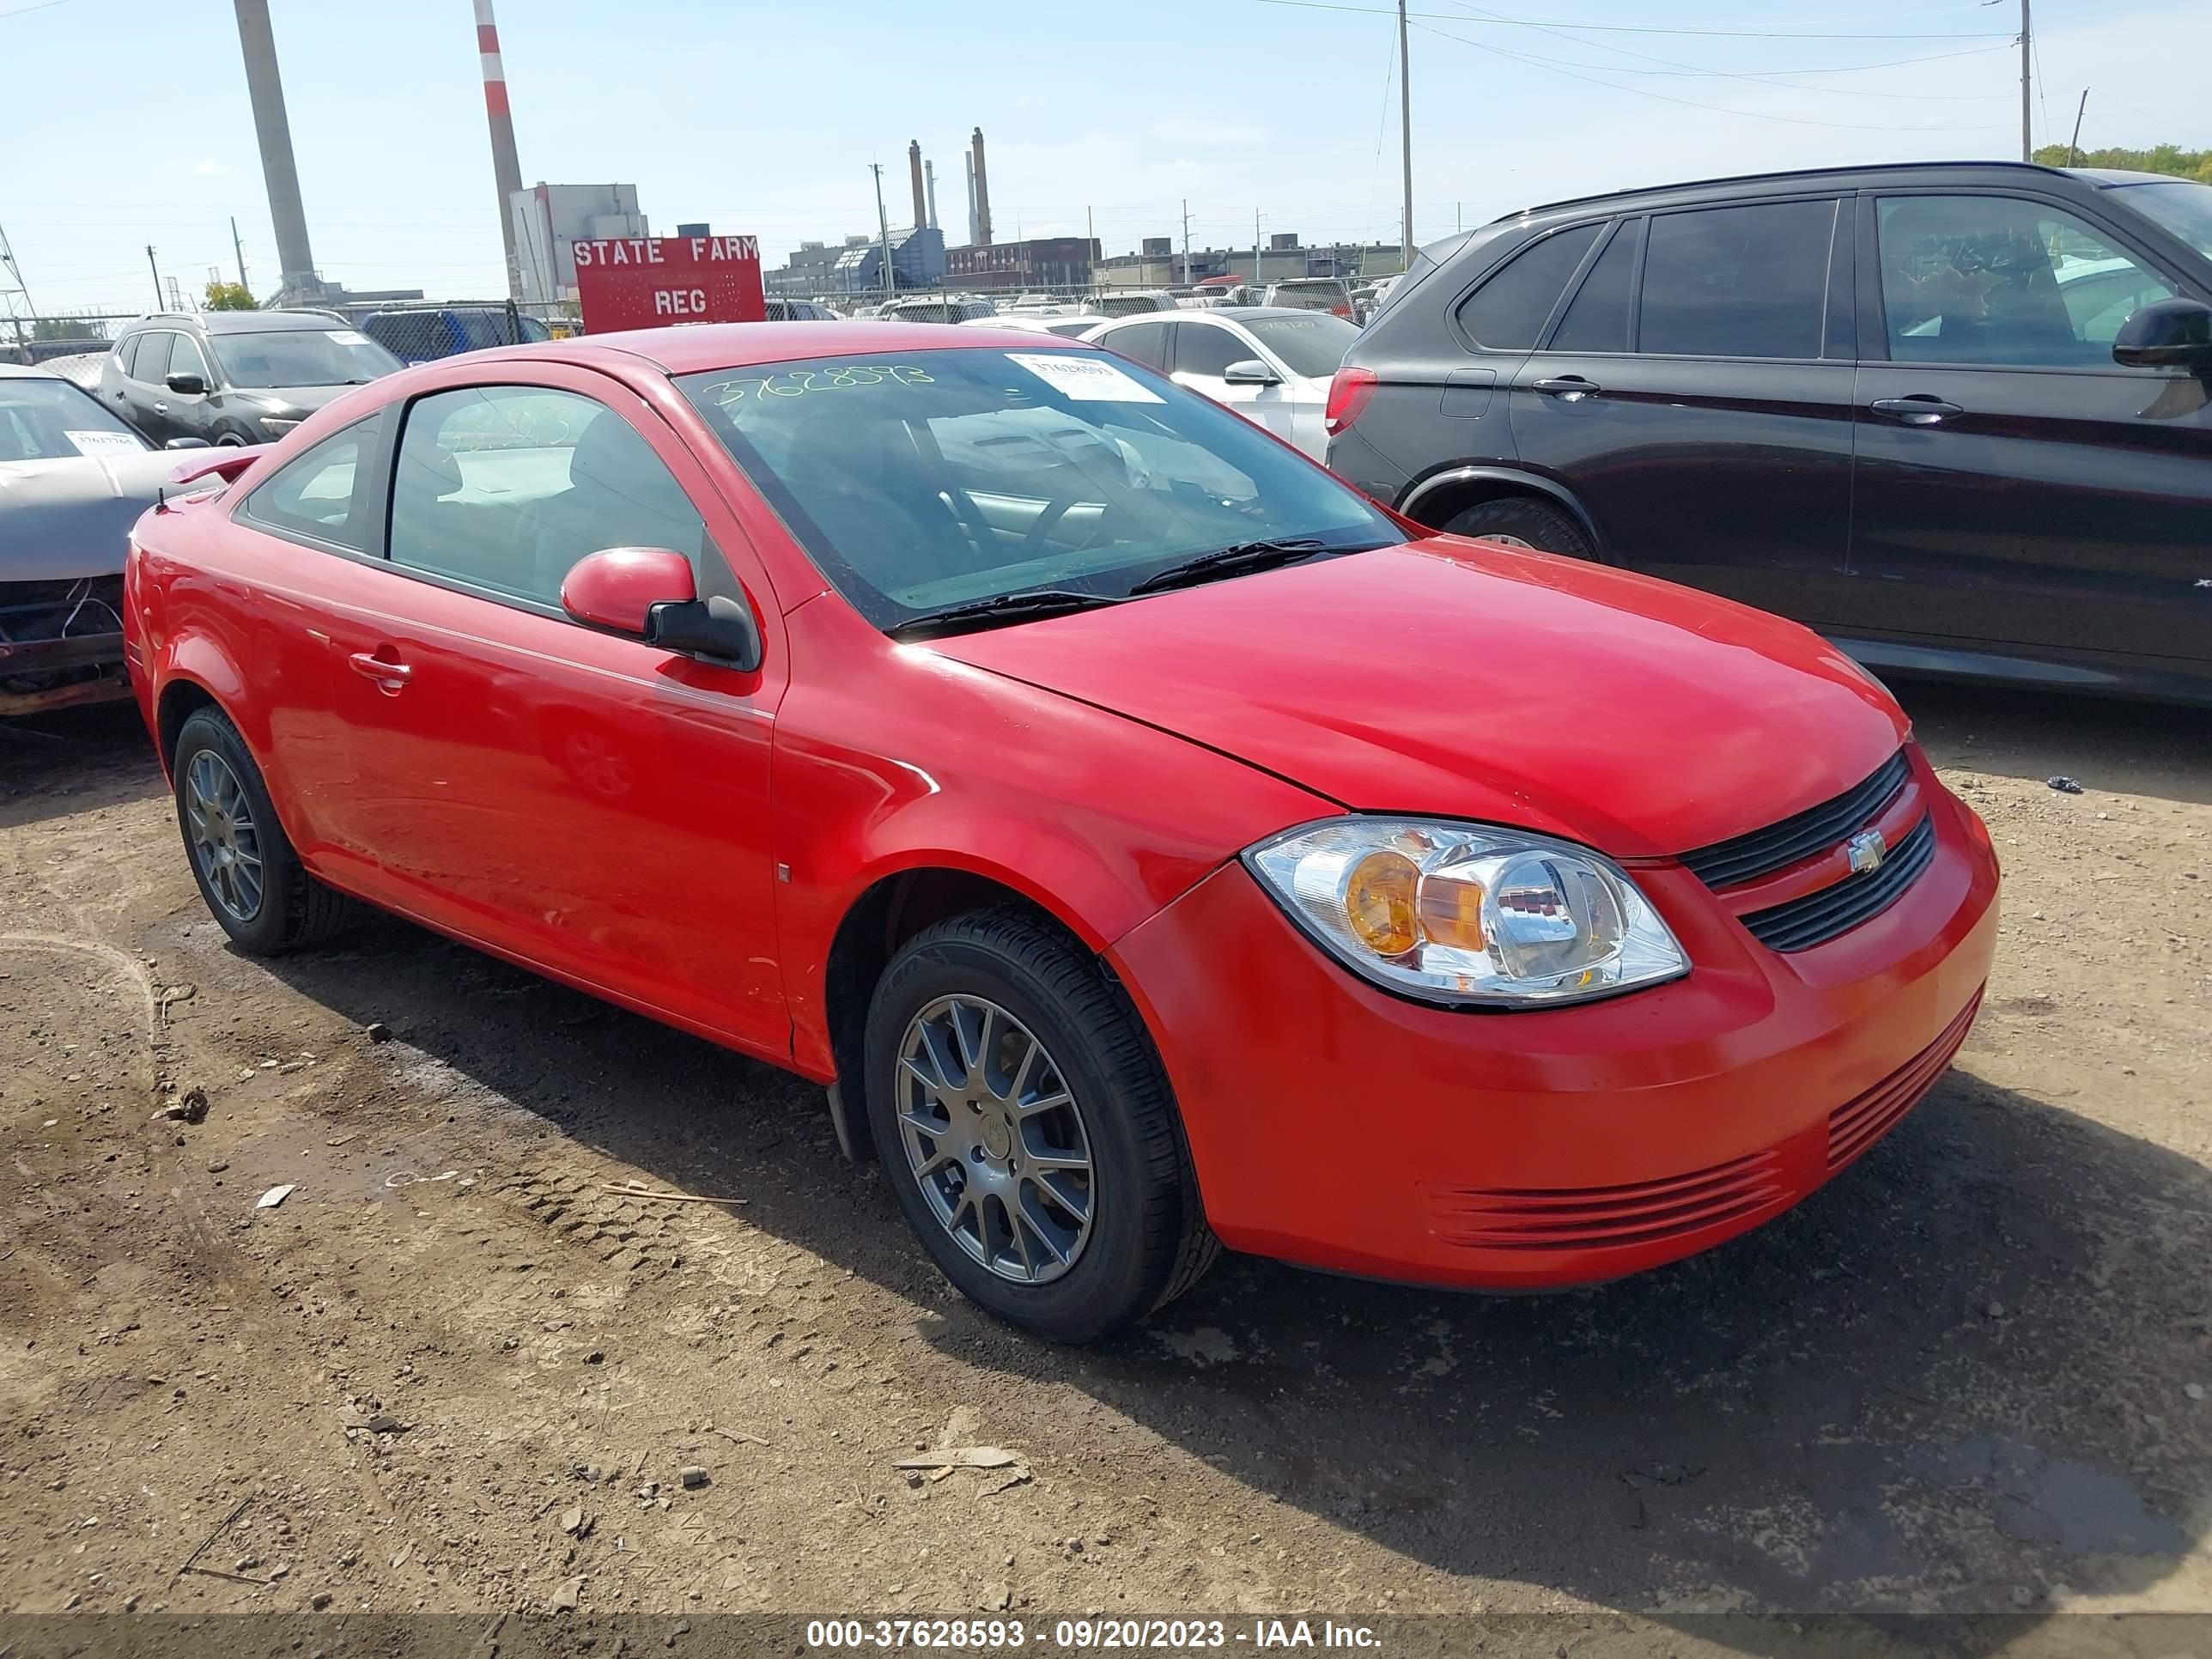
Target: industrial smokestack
{"x": 913, "y": 178}
{"x": 506, "y": 169}
{"x": 982, "y": 194}
{"x": 968, "y": 156}
{"x": 265, "y": 87}
{"x": 929, "y": 173}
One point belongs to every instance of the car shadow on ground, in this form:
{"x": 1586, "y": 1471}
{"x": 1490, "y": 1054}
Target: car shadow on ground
{"x": 2103, "y": 744}
{"x": 1951, "y": 1379}
{"x": 63, "y": 763}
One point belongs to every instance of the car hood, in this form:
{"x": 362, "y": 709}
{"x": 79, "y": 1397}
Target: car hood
{"x": 1464, "y": 679}
{"x": 72, "y": 517}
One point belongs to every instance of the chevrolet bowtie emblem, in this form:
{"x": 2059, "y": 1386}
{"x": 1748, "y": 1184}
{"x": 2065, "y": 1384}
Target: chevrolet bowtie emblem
{"x": 1867, "y": 849}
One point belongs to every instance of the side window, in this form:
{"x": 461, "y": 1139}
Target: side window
{"x": 1597, "y": 317}
{"x": 1738, "y": 281}
{"x": 1510, "y": 310}
{"x": 314, "y": 494}
{"x": 1143, "y": 343}
{"x": 505, "y": 487}
{"x": 151, "y": 362}
{"x": 1202, "y": 348}
{"x": 184, "y": 357}
{"x": 1998, "y": 280}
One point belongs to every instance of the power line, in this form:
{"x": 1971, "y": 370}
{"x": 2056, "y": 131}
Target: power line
{"x": 1634, "y": 29}
{"x": 1676, "y": 66}
{"x": 1686, "y": 103}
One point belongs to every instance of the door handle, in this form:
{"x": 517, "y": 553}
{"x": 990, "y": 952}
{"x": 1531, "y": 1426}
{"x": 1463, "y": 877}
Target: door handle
{"x": 161, "y": 408}
{"x": 1568, "y": 388}
{"x": 1918, "y": 409}
{"x": 390, "y": 676}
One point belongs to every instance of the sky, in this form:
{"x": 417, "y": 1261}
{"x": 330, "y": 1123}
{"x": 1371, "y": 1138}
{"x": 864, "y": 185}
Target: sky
{"x": 126, "y": 122}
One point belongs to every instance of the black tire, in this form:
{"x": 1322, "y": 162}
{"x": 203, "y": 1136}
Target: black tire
{"x": 294, "y": 909}
{"x": 230, "y": 441}
{"x": 1530, "y": 522}
{"x": 1148, "y": 1241}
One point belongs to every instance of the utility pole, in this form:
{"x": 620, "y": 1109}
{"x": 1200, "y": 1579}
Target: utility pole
{"x": 2026, "y": 44}
{"x": 883, "y": 224}
{"x": 1090, "y": 259}
{"x": 1186, "y": 241}
{"x": 1406, "y": 137}
{"x": 159, "y": 301}
{"x": 2073, "y": 144}
{"x": 1255, "y": 249}
{"x": 238, "y": 248}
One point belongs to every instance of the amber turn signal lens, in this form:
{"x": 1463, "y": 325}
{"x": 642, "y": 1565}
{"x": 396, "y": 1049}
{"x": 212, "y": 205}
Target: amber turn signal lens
{"x": 1451, "y": 911}
{"x": 1378, "y": 902}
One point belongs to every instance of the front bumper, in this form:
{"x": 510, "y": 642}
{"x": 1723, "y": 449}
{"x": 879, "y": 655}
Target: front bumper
{"x": 1336, "y": 1126}
{"x": 61, "y": 645}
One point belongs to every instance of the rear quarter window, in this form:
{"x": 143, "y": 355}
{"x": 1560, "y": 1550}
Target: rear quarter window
{"x": 1509, "y": 311}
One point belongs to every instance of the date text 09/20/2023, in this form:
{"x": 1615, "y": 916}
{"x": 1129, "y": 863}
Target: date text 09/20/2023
{"x": 988, "y": 1635}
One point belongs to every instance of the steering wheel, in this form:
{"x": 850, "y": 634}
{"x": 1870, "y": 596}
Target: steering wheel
{"x": 1055, "y": 510}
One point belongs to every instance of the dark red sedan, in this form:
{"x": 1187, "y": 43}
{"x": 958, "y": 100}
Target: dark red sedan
{"x": 1152, "y": 841}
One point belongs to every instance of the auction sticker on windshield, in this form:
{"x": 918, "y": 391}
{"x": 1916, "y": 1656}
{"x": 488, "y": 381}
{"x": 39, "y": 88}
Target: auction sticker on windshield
{"x": 1085, "y": 380}
{"x": 104, "y": 443}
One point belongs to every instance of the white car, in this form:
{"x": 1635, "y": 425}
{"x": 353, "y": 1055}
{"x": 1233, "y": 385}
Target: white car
{"x": 1072, "y": 327}
{"x": 73, "y": 480}
{"x": 1271, "y": 364}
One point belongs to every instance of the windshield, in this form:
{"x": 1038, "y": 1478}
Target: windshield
{"x": 43, "y": 420}
{"x": 302, "y": 356}
{"x": 1312, "y": 347}
{"x": 2182, "y": 207}
{"x": 945, "y": 477}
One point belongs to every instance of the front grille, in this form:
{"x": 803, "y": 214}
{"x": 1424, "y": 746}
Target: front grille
{"x": 1762, "y": 852}
{"x": 1589, "y": 1217}
{"x": 1818, "y": 917}
{"x": 1857, "y": 1124}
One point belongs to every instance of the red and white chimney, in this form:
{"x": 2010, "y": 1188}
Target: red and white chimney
{"x": 506, "y": 169}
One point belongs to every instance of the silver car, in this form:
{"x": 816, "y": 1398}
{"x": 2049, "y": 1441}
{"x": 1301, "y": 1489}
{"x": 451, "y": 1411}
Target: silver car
{"x": 73, "y": 480}
{"x": 1272, "y": 364}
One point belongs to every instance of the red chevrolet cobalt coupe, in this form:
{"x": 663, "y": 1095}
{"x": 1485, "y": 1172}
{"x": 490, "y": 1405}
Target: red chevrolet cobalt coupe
{"x": 1152, "y": 841}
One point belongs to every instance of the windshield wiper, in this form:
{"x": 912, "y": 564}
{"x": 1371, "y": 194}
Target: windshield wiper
{"x": 1003, "y": 607}
{"x": 1237, "y": 561}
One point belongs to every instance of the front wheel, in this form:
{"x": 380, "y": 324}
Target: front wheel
{"x": 252, "y": 879}
{"x": 1027, "y": 1130}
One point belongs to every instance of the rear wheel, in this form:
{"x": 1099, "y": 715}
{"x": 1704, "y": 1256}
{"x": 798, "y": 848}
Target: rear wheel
{"x": 1518, "y": 521}
{"x": 252, "y": 879}
{"x": 1026, "y": 1129}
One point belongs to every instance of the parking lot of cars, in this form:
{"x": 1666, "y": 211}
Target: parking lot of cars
{"x": 1175, "y": 860}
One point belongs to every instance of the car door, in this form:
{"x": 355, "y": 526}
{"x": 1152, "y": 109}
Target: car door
{"x": 1694, "y": 396}
{"x": 1203, "y": 350}
{"x": 583, "y": 801}
{"x": 2015, "y": 484}
{"x": 145, "y": 393}
{"x": 187, "y": 412}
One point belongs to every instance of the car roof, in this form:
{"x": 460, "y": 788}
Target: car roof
{"x": 1871, "y": 173}
{"x": 1243, "y": 314}
{"x": 33, "y": 372}
{"x": 2114, "y": 178}
{"x": 240, "y": 322}
{"x": 694, "y": 347}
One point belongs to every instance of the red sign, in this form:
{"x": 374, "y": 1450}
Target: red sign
{"x": 654, "y": 282}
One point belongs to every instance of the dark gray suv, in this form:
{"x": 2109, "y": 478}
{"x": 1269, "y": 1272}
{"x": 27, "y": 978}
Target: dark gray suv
{"x": 1958, "y": 416}
{"x": 235, "y": 377}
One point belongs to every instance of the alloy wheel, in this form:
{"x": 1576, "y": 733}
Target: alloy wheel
{"x": 995, "y": 1138}
{"x": 226, "y": 844}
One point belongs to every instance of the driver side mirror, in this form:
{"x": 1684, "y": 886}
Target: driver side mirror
{"x": 1251, "y": 371}
{"x": 649, "y": 593}
{"x": 188, "y": 386}
{"x": 2167, "y": 334}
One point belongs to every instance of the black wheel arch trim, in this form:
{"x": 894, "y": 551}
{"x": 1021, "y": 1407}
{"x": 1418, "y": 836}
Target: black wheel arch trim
{"x": 1409, "y": 500}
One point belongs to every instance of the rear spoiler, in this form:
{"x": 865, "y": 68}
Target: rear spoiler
{"x": 225, "y": 464}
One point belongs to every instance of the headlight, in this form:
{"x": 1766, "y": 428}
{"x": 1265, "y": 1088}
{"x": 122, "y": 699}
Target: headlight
{"x": 1469, "y": 913}
{"x": 277, "y": 426}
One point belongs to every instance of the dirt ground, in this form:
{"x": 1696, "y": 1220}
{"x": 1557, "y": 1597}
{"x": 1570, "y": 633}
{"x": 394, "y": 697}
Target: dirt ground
{"x": 454, "y": 1371}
